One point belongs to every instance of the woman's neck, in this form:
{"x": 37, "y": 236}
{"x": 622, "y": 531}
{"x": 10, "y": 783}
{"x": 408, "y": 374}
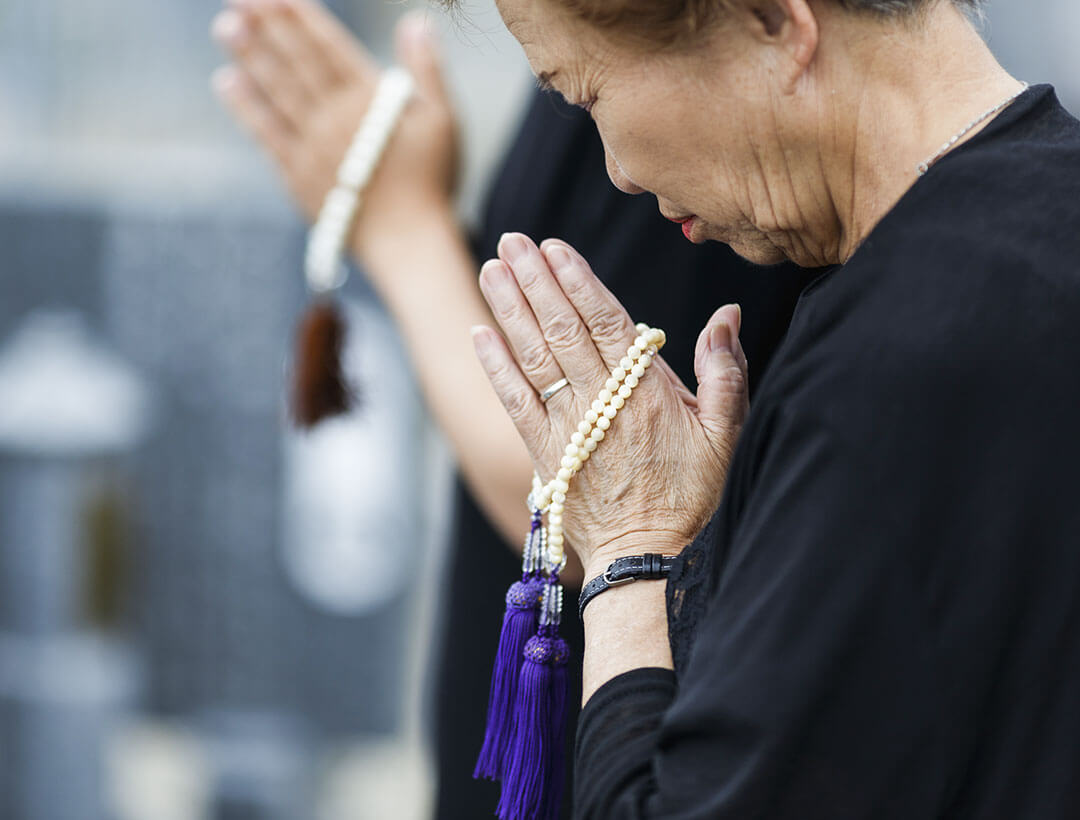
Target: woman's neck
{"x": 925, "y": 85}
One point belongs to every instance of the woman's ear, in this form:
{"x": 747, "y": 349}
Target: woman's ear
{"x": 790, "y": 24}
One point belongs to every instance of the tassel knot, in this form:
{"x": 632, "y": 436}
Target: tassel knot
{"x": 525, "y": 594}
{"x": 548, "y": 651}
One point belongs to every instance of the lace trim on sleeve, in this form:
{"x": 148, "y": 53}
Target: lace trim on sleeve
{"x": 688, "y": 591}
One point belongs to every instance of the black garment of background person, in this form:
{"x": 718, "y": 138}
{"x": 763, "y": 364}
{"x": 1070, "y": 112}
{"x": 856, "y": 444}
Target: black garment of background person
{"x": 883, "y": 619}
{"x": 554, "y": 184}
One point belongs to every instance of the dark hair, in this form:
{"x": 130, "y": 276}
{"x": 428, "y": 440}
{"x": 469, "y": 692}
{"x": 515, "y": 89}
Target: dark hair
{"x": 670, "y": 22}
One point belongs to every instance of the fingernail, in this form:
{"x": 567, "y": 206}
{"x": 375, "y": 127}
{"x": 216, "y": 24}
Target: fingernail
{"x": 738, "y": 318}
{"x": 512, "y": 247}
{"x": 415, "y": 28}
{"x": 559, "y": 258}
{"x": 228, "y": 28}
{"x": 494, "y": 273}
{"x": 720, "y": 337}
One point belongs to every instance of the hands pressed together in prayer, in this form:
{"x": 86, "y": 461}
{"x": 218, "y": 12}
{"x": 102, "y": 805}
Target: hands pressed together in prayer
{"x": 301, "y": 83}
{"x": 657, "y": 477}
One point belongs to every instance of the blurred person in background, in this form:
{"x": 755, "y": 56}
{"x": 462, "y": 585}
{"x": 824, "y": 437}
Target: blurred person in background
{"x": 300, "y": 83}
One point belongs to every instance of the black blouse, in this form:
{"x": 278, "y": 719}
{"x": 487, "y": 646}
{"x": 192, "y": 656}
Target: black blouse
{"x": 883, "y": 618}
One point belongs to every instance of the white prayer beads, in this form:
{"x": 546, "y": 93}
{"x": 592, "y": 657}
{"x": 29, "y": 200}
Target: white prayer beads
{"x": 324, "y": 267}
{"x": 625, "y": 376}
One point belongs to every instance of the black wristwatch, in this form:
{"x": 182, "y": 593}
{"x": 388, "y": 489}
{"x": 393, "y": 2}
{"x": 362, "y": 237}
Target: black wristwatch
{"x": 649, "y": 566}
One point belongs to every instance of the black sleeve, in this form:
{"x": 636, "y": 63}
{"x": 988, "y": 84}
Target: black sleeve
{"x": 616, "y": 738}
{"x": 809, "y": 692}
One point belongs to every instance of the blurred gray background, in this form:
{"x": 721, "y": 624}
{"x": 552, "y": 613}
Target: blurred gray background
{"x": 167, "y": 650}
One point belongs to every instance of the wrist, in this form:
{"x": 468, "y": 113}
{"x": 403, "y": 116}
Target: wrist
{"x": 383, "y": 241}
{"x": 625, "y": 629}
{"x": 628, "y": 570}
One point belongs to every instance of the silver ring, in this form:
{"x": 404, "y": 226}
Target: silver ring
{"x": 552, "y": 389}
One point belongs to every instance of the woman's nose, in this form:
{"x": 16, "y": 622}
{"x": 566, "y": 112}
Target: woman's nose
{"x": 618, "y": 177}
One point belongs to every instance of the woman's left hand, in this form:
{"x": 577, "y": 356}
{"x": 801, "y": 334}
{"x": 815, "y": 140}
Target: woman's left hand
{"x": 657, "y": 476}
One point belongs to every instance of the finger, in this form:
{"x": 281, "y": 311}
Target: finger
{"x": 564, "y": 332}
{"x": 418, "y": 50}
{"x": 231, "y": 29}
{"x": 610, "y": 326}
{"x": 297, "y": 51}
{"x": 343, "y": 58}
{"x": 723, "y": 397}
{"x": 732, "y": 315}
{"x": 520, "y": 327}
{"x": 513, "y": 389}
{"x": 241, "y": 97}
{"x": 253, "y": 52}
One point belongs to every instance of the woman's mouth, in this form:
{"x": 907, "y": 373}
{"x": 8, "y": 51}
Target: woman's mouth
{"x": 687, "y": 227}
{"x": 687, "y": 223}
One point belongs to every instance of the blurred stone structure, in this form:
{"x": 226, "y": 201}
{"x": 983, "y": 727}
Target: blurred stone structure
{"x": 128, "y": 197}
{"x": 69, "y": 411}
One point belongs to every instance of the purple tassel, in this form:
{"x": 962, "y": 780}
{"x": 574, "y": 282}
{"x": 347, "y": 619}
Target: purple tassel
{"x": 519, "y": 625}
{"x": 532, "y": 779}
{"x": 560, "y": 694}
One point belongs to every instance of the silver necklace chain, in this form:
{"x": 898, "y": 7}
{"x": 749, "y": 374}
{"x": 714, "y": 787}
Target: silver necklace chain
{"x": 959, "y": 135}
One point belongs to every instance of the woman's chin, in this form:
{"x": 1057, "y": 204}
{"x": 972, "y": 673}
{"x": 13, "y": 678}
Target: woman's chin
{"x": 760, "y": 252}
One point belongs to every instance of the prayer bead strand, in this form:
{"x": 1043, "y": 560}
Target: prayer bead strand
{"x": 625, "y": 376}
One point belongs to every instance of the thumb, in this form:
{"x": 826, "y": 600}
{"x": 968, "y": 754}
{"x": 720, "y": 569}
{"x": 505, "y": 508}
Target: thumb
{"x": 418, "y": 50}
{"x": 720, "y": 366}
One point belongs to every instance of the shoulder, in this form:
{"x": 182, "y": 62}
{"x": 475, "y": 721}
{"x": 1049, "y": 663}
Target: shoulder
{"x": 1006, "y": 203}
{"x": 965, "y": 298}
{"x": 935, "y": 338}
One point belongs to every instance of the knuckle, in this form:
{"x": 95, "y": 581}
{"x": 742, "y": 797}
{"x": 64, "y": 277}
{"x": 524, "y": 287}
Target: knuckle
{"x": 514, "y": 397}
{"x": 517, "y": 403}
{"x": 732, "y": 379}
{"x": 499, "y": 374}
{"x": 527, "y": 270}
{"x": 512, "y": 314}
{"x": 607, "y": 327}
{"x": 564, "y": 331}
{"x": 534, "y": 357}
{"x": 575, "y": 277}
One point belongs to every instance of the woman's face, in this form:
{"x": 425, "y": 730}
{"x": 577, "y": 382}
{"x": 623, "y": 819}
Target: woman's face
{"x": 686, "y": 126}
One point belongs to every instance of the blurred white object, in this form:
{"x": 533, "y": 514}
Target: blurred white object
{"x": 384, "y": 778}
{"x": 353, "y": 484}
{"x": 157, "y": 771}
{"x": 64, "y": 394}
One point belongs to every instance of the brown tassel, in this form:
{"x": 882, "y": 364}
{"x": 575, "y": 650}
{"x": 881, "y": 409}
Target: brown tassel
{"x": 319, "y": 387}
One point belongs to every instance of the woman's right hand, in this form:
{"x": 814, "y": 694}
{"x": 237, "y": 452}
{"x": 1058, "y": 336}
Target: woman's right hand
{"x": 301, "y": 83}
{"x": 659, "y": 471}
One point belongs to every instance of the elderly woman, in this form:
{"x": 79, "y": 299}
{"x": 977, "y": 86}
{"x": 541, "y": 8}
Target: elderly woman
{"x": 883, "y": 617}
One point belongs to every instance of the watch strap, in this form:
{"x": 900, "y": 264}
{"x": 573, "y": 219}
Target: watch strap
{"x": 650, "y": 566}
